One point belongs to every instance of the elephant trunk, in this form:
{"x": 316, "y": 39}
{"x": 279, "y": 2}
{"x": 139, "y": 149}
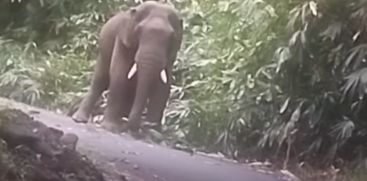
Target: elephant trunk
{"x": 150, "y": 63}
{"x": 147, "y": 76}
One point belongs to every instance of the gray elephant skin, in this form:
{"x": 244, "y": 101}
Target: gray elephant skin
{"x": 136, "y": 52}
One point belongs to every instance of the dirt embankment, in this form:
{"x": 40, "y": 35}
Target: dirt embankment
{"x": 31, "y": 151}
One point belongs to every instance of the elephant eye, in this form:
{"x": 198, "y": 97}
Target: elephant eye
{"x": 133, "y": 11}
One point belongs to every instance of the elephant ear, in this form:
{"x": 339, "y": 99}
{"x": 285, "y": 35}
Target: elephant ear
{"x": 177, "y": 41}
{"x": 181, "y": 23}
{"x": 129, "y": 35}
{"x": 179, "y": 34}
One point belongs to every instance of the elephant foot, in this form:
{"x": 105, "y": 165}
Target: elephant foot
{"x": 79, "y": 118}
{"x": 114, "y": 126}
{"x": 135, "y": 130}
{"x": 139, "y": 134}
{"x": 133, "y": 126}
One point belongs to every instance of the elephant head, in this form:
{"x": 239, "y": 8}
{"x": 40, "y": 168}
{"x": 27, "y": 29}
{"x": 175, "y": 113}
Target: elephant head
{"x": 155, "y": 35}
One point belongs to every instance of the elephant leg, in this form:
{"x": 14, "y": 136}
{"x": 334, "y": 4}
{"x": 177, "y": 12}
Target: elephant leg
{"x": 157, "y": 104}
{"x": 99, "y": 84}
{"x": 128, "y": 98}
{"x": 143, "y": 90}
{"x": 117, "y": 90}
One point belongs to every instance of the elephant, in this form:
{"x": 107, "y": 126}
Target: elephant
{"x": 136, "y": 52}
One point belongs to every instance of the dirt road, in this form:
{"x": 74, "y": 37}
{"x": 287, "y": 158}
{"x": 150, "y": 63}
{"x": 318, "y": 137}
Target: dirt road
{"x": 119, "y": 155}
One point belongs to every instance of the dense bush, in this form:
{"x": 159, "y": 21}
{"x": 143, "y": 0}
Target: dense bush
{"x": 253, "y": 78}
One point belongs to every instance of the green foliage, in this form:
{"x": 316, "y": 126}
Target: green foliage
{"x": 287, "y": 76}
{"x": 325, "y": 45}
{"x": 217, "y": 69}
{"x": 49, "y": 62}
{"x": 50, "y": 80}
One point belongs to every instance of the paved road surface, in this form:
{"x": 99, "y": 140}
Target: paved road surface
{"x": 120, "y": 155}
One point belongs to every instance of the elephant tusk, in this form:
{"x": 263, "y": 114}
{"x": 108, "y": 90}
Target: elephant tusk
{"x": 164, "y": 76}
{"x": 132, "y": 71}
